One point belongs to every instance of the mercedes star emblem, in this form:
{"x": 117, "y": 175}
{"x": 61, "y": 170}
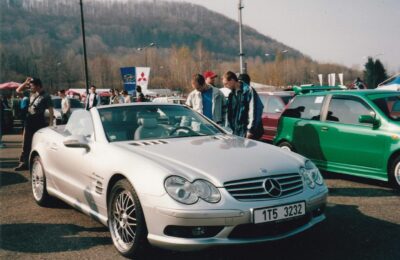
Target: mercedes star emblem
{"x": 273, "y": 188}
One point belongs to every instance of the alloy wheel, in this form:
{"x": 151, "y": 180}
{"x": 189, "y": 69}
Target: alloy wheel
{"x": 124, "y": 223}
{"x": 37, "y": 180}
{"x": 397, "y": 173}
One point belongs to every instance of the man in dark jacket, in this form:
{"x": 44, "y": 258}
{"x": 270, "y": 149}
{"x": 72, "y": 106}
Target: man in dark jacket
{"x": 35, "y": 119}
{"x": 244, "y": 107}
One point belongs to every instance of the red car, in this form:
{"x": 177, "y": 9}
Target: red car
{"x": 274, "y": 104}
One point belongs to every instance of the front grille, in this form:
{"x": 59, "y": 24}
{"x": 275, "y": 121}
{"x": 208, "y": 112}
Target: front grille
{"x": 253, "y": 189}
{"x": 268, "y": 229}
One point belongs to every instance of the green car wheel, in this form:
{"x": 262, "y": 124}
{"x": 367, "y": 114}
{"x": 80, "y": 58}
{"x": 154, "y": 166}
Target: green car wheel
{"x": 394, "y": 173}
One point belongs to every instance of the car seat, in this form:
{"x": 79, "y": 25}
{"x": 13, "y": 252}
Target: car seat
{"x": 149, "y": 129}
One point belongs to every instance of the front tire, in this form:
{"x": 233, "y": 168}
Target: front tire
{"x": 126, "y": 220}
{"x": 286, "y": 146}
{"x": 394, "y": 173}
{"x": 38, "y": 181}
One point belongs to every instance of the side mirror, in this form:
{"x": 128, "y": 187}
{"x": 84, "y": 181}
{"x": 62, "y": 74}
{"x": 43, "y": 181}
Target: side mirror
{"x": 77, "y": 141}
{"x": 369, "y": 119}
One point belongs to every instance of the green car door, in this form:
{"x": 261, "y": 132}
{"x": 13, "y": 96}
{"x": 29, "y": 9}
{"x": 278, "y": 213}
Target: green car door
{"x": 348, "y": 145}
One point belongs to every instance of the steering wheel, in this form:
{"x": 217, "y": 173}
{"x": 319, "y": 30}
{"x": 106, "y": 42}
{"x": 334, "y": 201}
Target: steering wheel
{"x": 190, "y": 131}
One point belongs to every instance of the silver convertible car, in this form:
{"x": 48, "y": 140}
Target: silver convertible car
{"x": 164, "y": 175}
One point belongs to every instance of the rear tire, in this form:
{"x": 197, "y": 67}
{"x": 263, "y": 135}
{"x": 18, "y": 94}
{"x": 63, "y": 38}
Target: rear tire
{"x": 38, "y": 182}
{"x": 394, "y": 173}
{"x": 126, "y": 220}
{"x": 286, "y": 146}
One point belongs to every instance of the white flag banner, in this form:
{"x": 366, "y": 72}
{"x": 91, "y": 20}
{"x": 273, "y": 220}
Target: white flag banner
{"x": 142, "y": 78}
{"x": 341, "y": 78}
{"x": 333, "y": 79}
{"x": 329, "y": 80}
{"x": 321, "y": 80}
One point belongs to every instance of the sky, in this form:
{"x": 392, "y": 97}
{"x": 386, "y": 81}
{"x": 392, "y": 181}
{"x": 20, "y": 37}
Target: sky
{"x": 337, "y": 31}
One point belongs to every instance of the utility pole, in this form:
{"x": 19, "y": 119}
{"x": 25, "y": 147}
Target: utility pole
{"x": 84, "y": 49}
{"x": 241, "y": 54}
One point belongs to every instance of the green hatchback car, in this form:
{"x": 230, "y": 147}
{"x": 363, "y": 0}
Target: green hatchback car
{"x": 351, "y": 132}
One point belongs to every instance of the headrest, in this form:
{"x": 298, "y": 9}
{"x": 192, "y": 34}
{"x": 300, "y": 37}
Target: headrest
{"x": 148, "y": 122}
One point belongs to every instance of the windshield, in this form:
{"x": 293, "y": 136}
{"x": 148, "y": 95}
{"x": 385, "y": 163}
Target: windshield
{"x": 144, "y": 122}
{"x": 389, "y": 105}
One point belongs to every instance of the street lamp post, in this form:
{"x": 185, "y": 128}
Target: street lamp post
{"x": 241, "y": 53}
{"x": 84, "y": 49}
{"x": 285, "y": 65}
{"x": 152, "y": 44}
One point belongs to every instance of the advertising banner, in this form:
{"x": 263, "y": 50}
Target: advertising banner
{"x": 333, "y": 79}
{"x": 142, "y": 78}
{"x": 341, "y": 78}
{"x": 320, "y": 77}
{"x": 129, "y": 78}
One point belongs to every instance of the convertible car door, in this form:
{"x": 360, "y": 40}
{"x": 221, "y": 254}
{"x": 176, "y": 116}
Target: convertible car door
{"x": 76, "y": 164}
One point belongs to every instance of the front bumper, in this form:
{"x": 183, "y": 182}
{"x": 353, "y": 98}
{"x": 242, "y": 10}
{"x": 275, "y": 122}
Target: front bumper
{"x": 236, "y": 224}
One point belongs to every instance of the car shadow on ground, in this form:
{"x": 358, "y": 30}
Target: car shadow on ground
{"x": 324, "y": 241}
{"x": 363, "y": 192}
{"x": 48, "y": 238}
{"x": 10, "y": 178}
{"x": 338, "y": 176}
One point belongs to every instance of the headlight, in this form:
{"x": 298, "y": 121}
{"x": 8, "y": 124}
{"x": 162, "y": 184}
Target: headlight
{"x": 186, "y": 192}
{"x": 311, "y": 174}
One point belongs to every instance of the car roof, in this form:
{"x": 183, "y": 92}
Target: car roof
{"x": 351, "y": 92}
{"x": 277, "y": 93}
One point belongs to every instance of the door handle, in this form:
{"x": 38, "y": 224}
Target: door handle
{"x": 324, "y": 128}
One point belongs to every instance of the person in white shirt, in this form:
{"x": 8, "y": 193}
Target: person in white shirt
{"x": 127, "y": 98}
{"x": 93, "y": 99}
{"x": 65, "y": 107}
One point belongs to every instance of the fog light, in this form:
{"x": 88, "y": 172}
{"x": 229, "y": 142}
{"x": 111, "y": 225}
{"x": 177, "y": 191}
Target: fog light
{"x": 192, "y": 232}
{"x": 198, "y": 231}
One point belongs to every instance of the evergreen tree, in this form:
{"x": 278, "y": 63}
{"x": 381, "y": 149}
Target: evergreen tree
{"x": 369, "y": 73}
{"x": 374, "y": 73}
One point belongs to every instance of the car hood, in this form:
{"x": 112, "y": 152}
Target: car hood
{"x": 218, "y": 158}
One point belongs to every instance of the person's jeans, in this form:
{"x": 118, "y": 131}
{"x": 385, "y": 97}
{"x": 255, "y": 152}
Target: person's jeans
{"x": 27, "y": 144}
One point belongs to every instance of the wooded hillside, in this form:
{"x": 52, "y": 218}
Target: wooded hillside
{"x": 43, "y": 38}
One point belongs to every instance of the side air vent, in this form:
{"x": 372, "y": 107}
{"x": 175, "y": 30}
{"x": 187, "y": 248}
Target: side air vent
{"x": 144, "y": 143}
{"x": 223, "y": 137}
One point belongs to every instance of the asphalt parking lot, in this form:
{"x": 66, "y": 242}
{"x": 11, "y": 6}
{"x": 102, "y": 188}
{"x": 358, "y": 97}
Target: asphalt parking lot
{"x": 363, "y": 222}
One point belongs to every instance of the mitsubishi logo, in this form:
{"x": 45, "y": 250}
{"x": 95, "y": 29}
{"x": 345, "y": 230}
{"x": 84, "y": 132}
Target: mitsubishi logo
{"x": 273, "y": 188}
{"x": 142, "y": 77}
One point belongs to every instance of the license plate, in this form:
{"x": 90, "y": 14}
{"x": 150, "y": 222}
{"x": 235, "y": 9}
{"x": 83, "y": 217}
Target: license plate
{"x": 279, "y": 212}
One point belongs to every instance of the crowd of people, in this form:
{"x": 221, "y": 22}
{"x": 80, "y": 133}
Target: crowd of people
{"x": 236, "y": 105}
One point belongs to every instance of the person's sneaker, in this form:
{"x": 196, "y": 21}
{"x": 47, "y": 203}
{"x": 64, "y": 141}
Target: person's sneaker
{"x": 21, "y": 167}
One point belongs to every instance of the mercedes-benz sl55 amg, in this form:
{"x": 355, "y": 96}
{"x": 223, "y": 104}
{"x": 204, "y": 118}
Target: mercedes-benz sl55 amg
{"x": 164, "y": 175}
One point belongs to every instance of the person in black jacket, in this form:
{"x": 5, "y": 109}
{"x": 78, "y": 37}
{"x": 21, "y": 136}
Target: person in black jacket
{"x": 244, "y": 107}
{"x": 35, "y": 119}
{"x": 92, "y": 99}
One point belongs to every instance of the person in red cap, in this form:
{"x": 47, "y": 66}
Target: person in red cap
{"x": 210, "y": 78}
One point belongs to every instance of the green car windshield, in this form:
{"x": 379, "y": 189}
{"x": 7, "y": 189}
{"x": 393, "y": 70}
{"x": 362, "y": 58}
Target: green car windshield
{"x": 389, "y": 104}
